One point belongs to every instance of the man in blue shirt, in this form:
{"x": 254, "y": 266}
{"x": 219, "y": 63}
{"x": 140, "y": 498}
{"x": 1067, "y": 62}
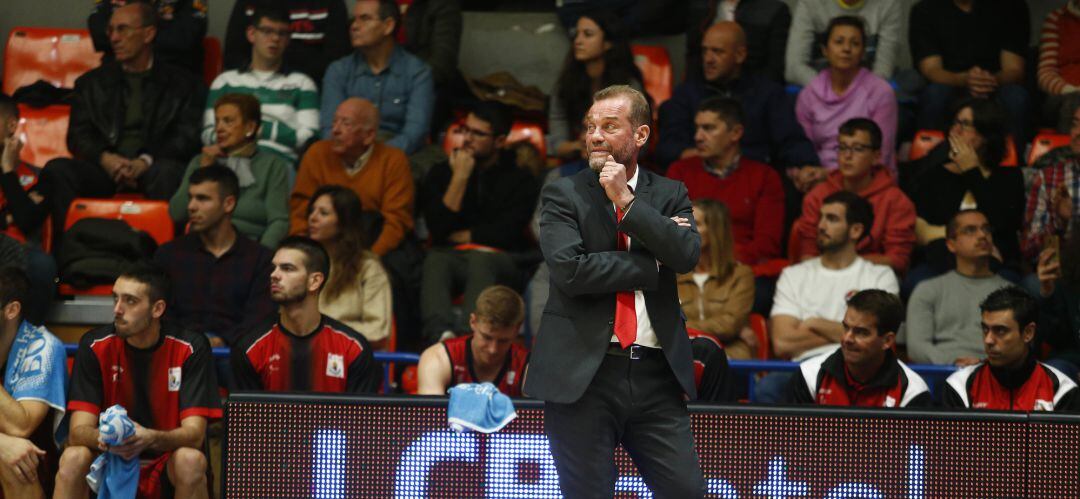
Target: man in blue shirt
{"x": 35, "y": 376}
{"x": 398, "y": 83}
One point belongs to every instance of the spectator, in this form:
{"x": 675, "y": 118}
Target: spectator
{"x": 1010, "y": 379}
{"x": 397, "y": 82}
{"x": 358, "y": 291}
{"x": 376, "y": 172}
{"x": 181, "y": 27}
{"x": 712, "y": 374}
{"x": 599, "y": 56}
{"x": 765, "y": 22}
{"x": 289, "y": 99}
{"x": 892, "y": 236}
{"x": 812, "y": 27}
{"x": 1059, "y": 302}
{"x": 319, "y": 34}
{"x": 262, "y": 209}
{"x": 964, "y": 172}
{"x": 490, "y": 354}
{"x": 478, "y": 198}
{"x": 716, "y": 297}
{"x": 1059, "y": 65}
{"x": 117, "y": 141}
{"x": 864, "y": 372}
{"x": 1050, "y": 204}
{"x": 431, "y": 30}
{"x": 275, "y": 357}
{"x": 846, "y": 90}
{"x": 221, "y": 278}
{"x": 22, "y": 215}
{"x": 751, "y": 191}
{"x": 34, "y": 381}
{"x": 971, "y": 48}
{"x": 167, "y": 386}
{"x": 771, "y": 134}
{"x": 942, "y": 323}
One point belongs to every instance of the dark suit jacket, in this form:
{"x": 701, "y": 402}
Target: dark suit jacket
{"x": 578, "y": 238}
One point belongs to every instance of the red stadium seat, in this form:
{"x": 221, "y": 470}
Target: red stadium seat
{"x": 924, "y": 141}
{"x": 761, "y": 331}
{"x": 1044, "y": 142}
{"x": 655, "y": 65}
{"x": 1011, "y": 158}
{"x": 212, "y": 59}
{"x": 519, "y": 131}
{"x": 55, "y": 55}
{"x": 44, "y": 133}
{"x": 146, "y": 215}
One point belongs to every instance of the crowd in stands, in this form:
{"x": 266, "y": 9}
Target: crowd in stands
{"x": 318, "y": 218}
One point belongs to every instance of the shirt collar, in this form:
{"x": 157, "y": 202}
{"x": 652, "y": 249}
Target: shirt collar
{"x": 724, "y": 172}
{"x": 360, "y": 162}
{"x": 632, "y": 181}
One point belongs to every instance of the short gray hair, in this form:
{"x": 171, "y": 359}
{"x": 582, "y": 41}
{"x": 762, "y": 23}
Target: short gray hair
{"x": 640, "y": 113}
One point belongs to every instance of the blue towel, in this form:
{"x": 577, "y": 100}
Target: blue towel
{"x": 121, "y": 476}
{"x": 479, "y": 407}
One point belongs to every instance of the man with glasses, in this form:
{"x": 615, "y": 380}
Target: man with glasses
{"x": 181, "y": 28}
{"x": 477, "y": 206}
{"x": 943, "y": 312}
{"x": 858, "y": 155}
{"x": 290, "y": 99}
{"x": 134, "y": 121}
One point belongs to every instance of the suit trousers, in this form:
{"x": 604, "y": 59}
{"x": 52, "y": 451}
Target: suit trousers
{"x": 636, "y": 403}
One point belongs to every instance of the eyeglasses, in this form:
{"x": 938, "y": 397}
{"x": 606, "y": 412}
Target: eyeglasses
{"x": 855, "y": 148}
{"x": 267, "y": 31}
{"x": 964, "y": 124}
{"x": 122, "y": 29}
{"x": 971, "y": 230}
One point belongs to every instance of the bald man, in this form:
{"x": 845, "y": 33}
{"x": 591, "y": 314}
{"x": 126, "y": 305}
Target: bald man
{"x": 378, "y": 173}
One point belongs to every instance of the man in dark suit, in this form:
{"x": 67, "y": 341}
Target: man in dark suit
{"x": 612, "y": 359}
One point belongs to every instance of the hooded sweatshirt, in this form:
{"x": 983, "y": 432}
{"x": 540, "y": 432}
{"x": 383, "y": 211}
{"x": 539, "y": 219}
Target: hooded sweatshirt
{"x": 893, "y": 231}
{"x": 821, "y": 112}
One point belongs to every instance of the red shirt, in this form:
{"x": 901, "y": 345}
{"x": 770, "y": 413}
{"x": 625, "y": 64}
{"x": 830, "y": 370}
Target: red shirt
{"x": 508, "y": 380}
{"x": 753, "y": 195}
{"x": 1033, "y": 387}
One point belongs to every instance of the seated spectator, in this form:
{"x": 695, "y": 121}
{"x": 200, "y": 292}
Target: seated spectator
{"x": 751, "y": 191}
{"x": 397, "y": 82}
{"x": 971, "y": 48}
{"x": 846, "y": 90}
{"x": 599, "y": 56}
{"x": 765, "y": 22}
{"x": 34, "y": 382}
{"x": 942, "y": 323}
{"x": 479, "y": 197}
{"x": 274, "y": 357}
{"x": 221, "y": 278}
{"x": 22, "y": 215}
{"x": 892, "y": 237}
{"x": 358, "y": 291}
{"x": 1059, "y": 301}
{"x": 490, "y": 354}
{"x": 262, "y": 209}
{"x": 812, "y": 27}
{"x": 716, "y": 297}
{"x": 712, "y": 374}
{"x": 1011, "y": 379}
{"x": 319, "y": 34}
{"x": 431, "y": 30}
{"x": 1059, "y": 65}
{"x": 289, "y": 100}
{"x": 181, "y": 27}
{"x": 964, "y": 172}
{"x": 771, "y": 135}
{"x": 1050, "y": 204}
{"x": 864, "y": 372}
{"x": 118, "y": 143}
{"x": 376, "y": 172}
{"x": 167, "y": 385}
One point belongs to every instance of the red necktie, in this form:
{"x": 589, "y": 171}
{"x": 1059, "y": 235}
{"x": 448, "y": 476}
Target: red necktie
{"x": 625, "y": 314}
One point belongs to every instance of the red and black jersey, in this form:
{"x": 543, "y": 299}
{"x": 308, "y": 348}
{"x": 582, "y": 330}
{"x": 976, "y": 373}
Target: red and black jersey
{"x": 825, "y": 380}
{"x": 333, "y": 358}
{"x": 711, "y": 368}
{"x": 1033, "y": 387}
{"x": 159, "y": 386}
{"x": 508, "y": 380}
{"x": 26, "y": 177}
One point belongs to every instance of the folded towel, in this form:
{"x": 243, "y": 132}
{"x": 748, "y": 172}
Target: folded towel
{"x": 112, "y": 476}
{"x": 479, "y": 407}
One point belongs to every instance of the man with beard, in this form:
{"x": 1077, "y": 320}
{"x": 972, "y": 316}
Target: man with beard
{"x": 865, "y": 371}
{"x": 477, "y": 207}
{"x": 161, "y": 374}
{"x": 303, "y": 350}
{"x": 612, "y": 359}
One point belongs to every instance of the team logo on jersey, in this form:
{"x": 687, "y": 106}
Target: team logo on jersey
{"x": 889, "y": 401}
{"x": 510, "y": 375}
{"x": 174, "y": 379}
{"x": 335, "y": 365}
{"x": 1043, "y": 405}
{"x": 116, "y": 372}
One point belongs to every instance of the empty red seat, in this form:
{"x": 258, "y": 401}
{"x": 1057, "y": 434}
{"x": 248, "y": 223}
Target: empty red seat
{"x": 44, "y": 133}
{"x": 655, "y": 65}
{"x": 212, "y": 59}
{"x": 56, "y": 55}
{"x": 1045, "y": 142}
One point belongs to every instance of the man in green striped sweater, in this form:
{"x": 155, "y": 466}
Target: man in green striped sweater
{"x": 290, "y": 100}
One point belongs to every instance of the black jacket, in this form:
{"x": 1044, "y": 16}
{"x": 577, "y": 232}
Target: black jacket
{"x": 172, "y": 102}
